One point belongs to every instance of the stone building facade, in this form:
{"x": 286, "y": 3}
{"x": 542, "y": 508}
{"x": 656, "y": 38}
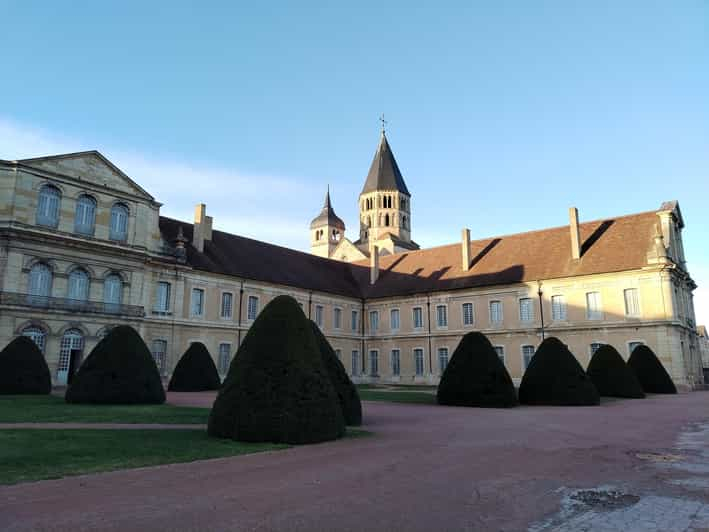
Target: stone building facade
{"x": 83, "y": 248}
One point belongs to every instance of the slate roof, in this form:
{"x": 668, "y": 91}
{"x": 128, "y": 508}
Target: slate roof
{"x": 327, "y": 216}
{"x": 384, "y": 173}
{"x": 610, "y": 245}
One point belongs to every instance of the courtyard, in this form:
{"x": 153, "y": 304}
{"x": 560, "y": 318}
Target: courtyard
{"x": 626, "y": 465}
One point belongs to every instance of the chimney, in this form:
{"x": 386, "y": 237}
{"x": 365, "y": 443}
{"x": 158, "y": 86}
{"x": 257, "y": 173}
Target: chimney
{"x": 465, "y": 249}
{"x": 374, "y": 265}
{"x": 575, "y": 235}
{"x": 200, "y": 223}
{"x": 208, "y": 227}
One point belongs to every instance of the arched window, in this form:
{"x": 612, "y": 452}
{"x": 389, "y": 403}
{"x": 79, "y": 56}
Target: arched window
{"x": 85, "y": 217}
{"x": 386, "y": 220}
{"x": 113, "y": 290}
{"x": 72, "y": 340}
{"x": 404, "y": 223}
{"x": 40, "y": 282}
{"x": 369, "y": 221}
{"x": 37, "y": 335}
{"x": 78, "y": 285}
{"x": 48, "y": 206}
{"x": 119, "y": 222}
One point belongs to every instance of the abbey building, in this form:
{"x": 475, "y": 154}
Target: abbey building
{"x": 84, "y": 248}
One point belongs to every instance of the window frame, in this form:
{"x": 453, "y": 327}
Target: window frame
{"x": 395, "y": 368}
{"x": 531, "y": 317}
{"x": 496, "y": 323}
{"x": 319, "y": 315}
{"x": 439, "y": 350}
{"x": 355, "y": 370}
{"x": 596, "y": 314}
{"x": 82, "y": 229}
{"x": 563, "y": 309}
{"x": 354, "y": 320}
{"x": 112, "y": 235}
{"x": 223, "y": 293}
{"x": 413, "y": 318}
{"x": 168, "y": 292}
{"x": 423, "y": 361}
{"x": 337, "y": 318}
{"x": 106, "y": 279}
{"x": 638, "y": 312}
{"x": 463, "y": 314}
{"x": 373, "y": 324}
{"x": 444, "y": 324}
{"x": 398, "y": 319}
{"x": 373, "y": 361}
{"x": 219, "y": 358}
{"x": 257, "y": 299}
{"x": 43, "y": 219}
{"x": 203, "y": 302}
{"x": 71, "y": 287}
{"x": 502, "y": 348}
{"x": 634, "y": 342}
{"x": 521, "y": 350}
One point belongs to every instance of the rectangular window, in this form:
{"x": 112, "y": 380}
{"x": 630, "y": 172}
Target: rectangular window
{"x": 197, "y": 302}
{"x": 418, "y": 318}
{"x": 495, "y": 311}
{"x": 593, "y": 306}
{"x": 527, "y": 354}
{"x": 394, "y": 319}
{"x": 227, "y": 304}
{"x": 374, "y": 363}
{"x": 595, "y": 346}
{"x": 467, "y": 313}
{"x": 373, "y": 321}
{"x": 163, "y": 302}
{"x": 632, "y": 346}
{"x": 337, "y": 318}
{"x": 500, "y": 352}
{"x": 558, "y": 308}
{"x": 252, "y": 308}
{"x": 632, "y": 305}
{"x": 338, "y": 354}
{"x": 318, "y": 315}
{"x": 526, "y": 309}
{"x": 418, "y": 361}
{"x": 224, "y": 358}
{"x": 355, "y": 320}
{"x": 395, "y": 362}
{"x": 442, "y": 316}
{"x": 355, "y": 363}
{"x": 442, "y": 359}
{"x": 160, "y": 354}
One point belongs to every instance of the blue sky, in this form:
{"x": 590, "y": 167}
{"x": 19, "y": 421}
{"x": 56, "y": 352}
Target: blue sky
{"x": 502, "y": 114}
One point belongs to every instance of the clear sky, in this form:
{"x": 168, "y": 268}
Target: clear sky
{"x": 502, "y": 114}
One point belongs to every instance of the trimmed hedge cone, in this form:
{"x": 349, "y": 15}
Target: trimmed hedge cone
{"x": 195, "y": 372}
{"x": 554, "y": 377}
{"x": 475, "y": 376}
{"x": 24, "y": 369}
{"x": 119, "y": 370}
{"x": 611, "y": 375}
{"x": 344, "y": 388}
{"x": 277, "y": 388}
{"x": 650, "y": 372}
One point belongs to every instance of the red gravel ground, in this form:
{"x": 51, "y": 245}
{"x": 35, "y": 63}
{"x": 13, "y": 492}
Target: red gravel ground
{"x": 425, "y": 468}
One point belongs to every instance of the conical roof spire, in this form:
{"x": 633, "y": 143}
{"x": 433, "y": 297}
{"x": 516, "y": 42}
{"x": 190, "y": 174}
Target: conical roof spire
{"x": 384, "y": 174}
{"x": 327, "y": 215}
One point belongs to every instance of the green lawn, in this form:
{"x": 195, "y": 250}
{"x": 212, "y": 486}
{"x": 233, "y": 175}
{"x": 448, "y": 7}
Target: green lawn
{"x": 397, "y": 396}
{"x": 37, "y": 454}
{"x": 52, "y": 409}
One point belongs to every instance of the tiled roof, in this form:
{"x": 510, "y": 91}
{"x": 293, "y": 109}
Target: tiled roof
{"x": 611, "y": 245}
{"x": 327, "y": 216}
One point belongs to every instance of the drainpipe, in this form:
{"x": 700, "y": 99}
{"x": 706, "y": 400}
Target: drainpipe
{"x": 310, "y": 303}
{"x": 361, "y": 326}
{"x": 541, "y": 305}
{"x": 428, "y": 311}
{"x": 238, "y": 323}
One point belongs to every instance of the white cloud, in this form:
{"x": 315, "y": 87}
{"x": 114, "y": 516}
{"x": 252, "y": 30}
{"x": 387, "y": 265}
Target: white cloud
{"x": 275, "y": 209}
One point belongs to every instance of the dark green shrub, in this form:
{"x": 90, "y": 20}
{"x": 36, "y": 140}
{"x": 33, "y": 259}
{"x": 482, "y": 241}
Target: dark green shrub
{"x": 23, "y": 369}
{"x": 277, "y": 388}
{"x": 650, "y": 372}
{"x": 554, "y": 377}
{"x": 119, "y": 370}
{"x": 611, "y": 375}
{"x": 344, "y": 388}
{"x": 195, "y": 372}
{"x": 475, "y": 376}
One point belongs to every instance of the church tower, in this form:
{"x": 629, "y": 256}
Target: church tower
{"x": 326, "y": 230}
{"x": 385, "y": 205}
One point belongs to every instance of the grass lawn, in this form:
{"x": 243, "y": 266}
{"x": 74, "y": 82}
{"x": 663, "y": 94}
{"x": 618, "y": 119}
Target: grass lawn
{"x": 397, "y": 396}
{"x": 37, "y": 454}
{"x": 52, "y": 409}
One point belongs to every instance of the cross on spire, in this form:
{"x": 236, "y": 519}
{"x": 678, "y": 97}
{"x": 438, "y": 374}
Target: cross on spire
{"x": 384, "y": 123}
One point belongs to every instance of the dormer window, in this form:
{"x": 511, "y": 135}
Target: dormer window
{"x": 119, "y": 222}
{"x": 48, "y": 206}
{"x": 85, "y": 217}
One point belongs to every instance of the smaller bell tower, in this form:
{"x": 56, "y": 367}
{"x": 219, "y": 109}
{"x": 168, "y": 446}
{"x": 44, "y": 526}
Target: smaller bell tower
{"x": 326, "y": 230}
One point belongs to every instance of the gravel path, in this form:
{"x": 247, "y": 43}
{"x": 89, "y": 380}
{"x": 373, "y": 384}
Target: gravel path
{"x": 425, "y": 468}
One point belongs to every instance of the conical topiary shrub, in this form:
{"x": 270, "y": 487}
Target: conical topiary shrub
{"x": 23, "y": 369}
{"x": 344, "y": 388}
{"x": 277, "y": 388}
{"x": 650, "y": 372}
{"x": 554, "y": 377}
{"x": 119, "y": 370}
{"x": 611, "y": 375}
{"x": 195, "y": 372}
{"x": 475, "y": 376}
